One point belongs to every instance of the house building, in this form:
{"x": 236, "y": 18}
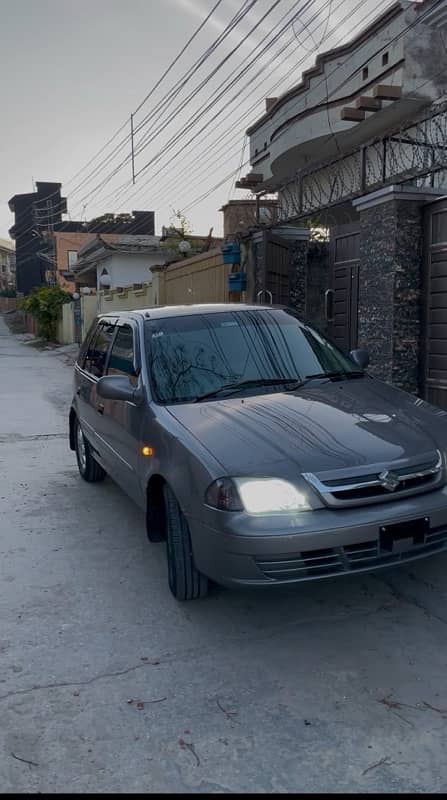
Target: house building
{"x": 7, "y": 265}
{"x": 126, "y": 261}
{"x": 34, "y": 212}
{"x": 359, "y": 147}
{"x": 61, "y": 253}
{"x": 47, "y": 246}
{"x": 241, "y": 215}
{"x": 64, "y": 242}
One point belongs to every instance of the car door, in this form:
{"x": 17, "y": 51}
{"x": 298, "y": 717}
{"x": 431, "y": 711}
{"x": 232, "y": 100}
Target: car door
{"x": 122, "y": 421}
{"x": 90, "y": 370}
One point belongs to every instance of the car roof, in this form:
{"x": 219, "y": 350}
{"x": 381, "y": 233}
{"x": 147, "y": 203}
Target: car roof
{"x": 160, "y": 312}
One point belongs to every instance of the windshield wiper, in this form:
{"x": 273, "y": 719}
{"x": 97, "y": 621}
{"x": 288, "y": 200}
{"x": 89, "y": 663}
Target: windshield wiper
{"x": 292, "y": 383}
{"x": 234, "y": 388}
{"x": 335, "y": 374}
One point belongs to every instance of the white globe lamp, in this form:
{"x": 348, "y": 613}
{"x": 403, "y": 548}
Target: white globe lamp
{"x": 104, "y": 281}
{"x": 184, "y": 247}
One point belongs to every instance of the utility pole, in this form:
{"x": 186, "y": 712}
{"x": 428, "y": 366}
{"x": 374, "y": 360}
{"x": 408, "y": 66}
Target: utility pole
{"x": 133, "y": 154}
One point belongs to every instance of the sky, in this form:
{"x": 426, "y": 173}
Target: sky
{"x": 71, "y": 75}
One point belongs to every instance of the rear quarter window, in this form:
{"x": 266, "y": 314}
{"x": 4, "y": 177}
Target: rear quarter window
{"x": 121, "y": 361}
{"x": 98, "y": 349}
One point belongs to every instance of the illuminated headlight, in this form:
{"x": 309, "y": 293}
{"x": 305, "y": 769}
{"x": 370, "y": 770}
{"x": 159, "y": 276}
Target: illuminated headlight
{"x": 267, "y": 495}
{"x": 255, "y": 495}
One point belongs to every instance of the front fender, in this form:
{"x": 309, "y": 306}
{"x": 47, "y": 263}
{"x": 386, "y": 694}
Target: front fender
{"x": 180, "y": 459}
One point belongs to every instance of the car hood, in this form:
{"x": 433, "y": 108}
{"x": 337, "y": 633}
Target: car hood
{"x": 321, "y": 427}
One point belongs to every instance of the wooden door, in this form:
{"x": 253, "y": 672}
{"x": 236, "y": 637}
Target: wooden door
{"x": 343, "y": 292}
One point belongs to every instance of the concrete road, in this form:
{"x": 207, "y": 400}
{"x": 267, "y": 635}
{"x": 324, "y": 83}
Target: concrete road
{"x": 108, "y": 684}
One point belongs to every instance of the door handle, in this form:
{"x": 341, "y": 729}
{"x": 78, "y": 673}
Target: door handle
{"x": 100, "y": 408}
{"x": 328, "y": 304}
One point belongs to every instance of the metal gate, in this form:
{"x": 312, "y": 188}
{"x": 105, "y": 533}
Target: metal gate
{"x": 77, "y": 313}
{"x": 342, "y": 296}
{"x": 274, "y": 283}
{"x": 434, "y": 366}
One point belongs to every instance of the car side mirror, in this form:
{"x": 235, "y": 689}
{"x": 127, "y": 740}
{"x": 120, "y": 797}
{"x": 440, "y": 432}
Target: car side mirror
{"x": 117, "y": 387}
{"x": 360, "y": 358}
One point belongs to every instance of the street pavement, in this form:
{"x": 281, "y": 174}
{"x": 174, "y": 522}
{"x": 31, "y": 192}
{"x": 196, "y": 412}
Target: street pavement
{"x": 109, "y": 684}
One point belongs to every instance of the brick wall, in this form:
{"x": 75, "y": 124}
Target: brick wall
{"x": 239, "y": 215}
{"x": 8, "y": 303}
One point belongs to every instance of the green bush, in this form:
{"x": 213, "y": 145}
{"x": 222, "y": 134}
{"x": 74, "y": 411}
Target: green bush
{"x": 45, "y": 305}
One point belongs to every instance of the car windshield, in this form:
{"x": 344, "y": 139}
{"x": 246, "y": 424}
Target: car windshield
{"x": 207, "y": 353}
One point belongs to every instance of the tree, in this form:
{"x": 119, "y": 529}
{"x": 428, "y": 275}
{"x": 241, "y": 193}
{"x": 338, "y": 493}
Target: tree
{"x": 183, "y": 224}
{"x": 45, "y": 305}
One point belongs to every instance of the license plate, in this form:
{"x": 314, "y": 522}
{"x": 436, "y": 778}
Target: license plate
{"x": 404, "y": 535}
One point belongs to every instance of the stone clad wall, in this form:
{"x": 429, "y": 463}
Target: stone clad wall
{"x": 408, "y": 297}
{"x": 390, "y": 290}
{"x": 317, "y": 281}
{"x": 297, "y": 276}
{"x": 376, "y": 288}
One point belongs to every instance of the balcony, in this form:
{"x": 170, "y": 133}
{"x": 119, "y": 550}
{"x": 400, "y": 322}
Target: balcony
{"x": 353, "y": 94}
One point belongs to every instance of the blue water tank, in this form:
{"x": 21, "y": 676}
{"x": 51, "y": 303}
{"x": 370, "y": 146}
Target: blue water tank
{"x": 231, "y": 253}
{"x": 237, "y": 281}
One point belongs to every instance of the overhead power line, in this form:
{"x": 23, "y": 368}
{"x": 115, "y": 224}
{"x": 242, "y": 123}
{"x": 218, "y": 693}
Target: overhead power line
{"x": 123, "y": 142}
{"x": 210, "y": 191}
{"x": 243, "y": 116}
{"x": 177, "y": 58}
{"x": 398, "y": 36}
{"x": 205, "y": 108}
{"x": 191, "y": 140}
{"x": 117, "y": 194}
{"x": 167, "y": 99}
{"x": 184, "y": 103}
{"x": 222, "y": 110}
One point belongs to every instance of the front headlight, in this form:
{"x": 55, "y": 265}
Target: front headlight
{"x": 267, "y": 495}
{"x": 255, "y": 495}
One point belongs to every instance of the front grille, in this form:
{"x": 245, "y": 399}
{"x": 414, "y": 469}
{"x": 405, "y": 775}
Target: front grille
{"x": 367, "y": 492}
{"x": 379, "y": 486}
{"x": 363, "y": 556}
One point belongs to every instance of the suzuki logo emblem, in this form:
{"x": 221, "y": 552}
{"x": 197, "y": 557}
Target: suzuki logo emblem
{"x": 389, "y": 480}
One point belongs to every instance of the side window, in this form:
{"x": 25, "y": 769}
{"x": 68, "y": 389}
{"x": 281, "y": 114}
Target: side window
{"x": 84, "y": 346}
{"x": 98, "y": 348}
{"x": 72, "y": 258}
{"x": 121, "y": 360}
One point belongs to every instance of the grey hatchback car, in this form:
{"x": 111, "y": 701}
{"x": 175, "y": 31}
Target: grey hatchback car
{"x": 262, "y": 454}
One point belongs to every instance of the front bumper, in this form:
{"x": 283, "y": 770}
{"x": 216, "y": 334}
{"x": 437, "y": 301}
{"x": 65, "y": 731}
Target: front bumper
{"x": 242, "y": 549}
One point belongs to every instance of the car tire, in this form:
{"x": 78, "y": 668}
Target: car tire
{"x": 89, "y": 469}
{"x": 185, "y": 581}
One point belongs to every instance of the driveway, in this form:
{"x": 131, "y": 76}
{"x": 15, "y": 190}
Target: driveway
{"x": 108, "y": 684}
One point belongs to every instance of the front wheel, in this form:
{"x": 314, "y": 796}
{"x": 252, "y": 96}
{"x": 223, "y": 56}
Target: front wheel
{"x": 185, "y": 581}
{"x": 89, "y": 469}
